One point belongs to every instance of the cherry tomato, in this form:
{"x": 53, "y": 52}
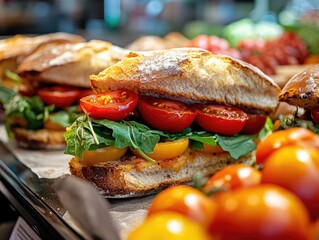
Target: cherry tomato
{"x": 114, "y": 105}
{"x": 233, "y": 177}
{"x": 103, "y": 155}
{"x": 165, "y": 115}
{"x": 315, "y": 115}
{"x": 58, "y": 96}
{"x": 184, "y": 200}
{"x": 254, "y": 124}
{"x": 260, "y": 212}
{"x": 295, "y": 168}
{"x": 168, "y": 226}
{"x": 168, "y": 150}
{"x": 224, "y": 120}
{"x": 276, "y": 140}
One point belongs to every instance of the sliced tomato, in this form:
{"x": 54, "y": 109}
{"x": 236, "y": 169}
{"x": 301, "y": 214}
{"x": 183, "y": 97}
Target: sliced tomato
{"x": 168, "y": 150}
{"x": 113, "y": 105}
{"x": 224, "y": 120}
{"x": 315, "y": 115}
{"x": 58, "y": 95}
{"x": 254, "y": 124}
{"x": 165, "y": 115}
{"x": 103, "y": 155}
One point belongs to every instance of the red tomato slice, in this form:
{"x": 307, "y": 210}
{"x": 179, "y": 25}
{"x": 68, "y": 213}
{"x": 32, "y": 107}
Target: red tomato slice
{"x": 224, "y": 120}
{"x": 114, "y": 105}
{"x": 165, "y": 115}
{"x": 58, "y": 95}
{"x": 254, "y": 124}
{"x": 315, "y": 115}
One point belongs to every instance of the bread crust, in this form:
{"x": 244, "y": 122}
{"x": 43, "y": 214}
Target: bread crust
{"x": 39, "y": 139}
{"x": 20, "y": 45}
{"x": 303, "y": 89}
{"x": 52, "y": 64}
{"x": 192, "y": 75}
{"x": 132, "y": 176}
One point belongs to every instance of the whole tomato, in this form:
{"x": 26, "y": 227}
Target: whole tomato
{"x": 168, "y": 226}
{"x": 261, "y": 212}
{"x": 234, "y": 176}
{"x": 295, "y": 168}
{"x": 184, "y": 200}
{"x": 292, "y": 136}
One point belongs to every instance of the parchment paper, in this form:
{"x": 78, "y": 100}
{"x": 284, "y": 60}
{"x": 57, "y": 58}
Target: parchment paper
{"x": 126, "y": 213}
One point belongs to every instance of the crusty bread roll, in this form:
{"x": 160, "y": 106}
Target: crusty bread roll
{"x": 20, "y": 45}
{"x": 128, "y": 177}
{"x": 303, "y": 89}
{"x": 192, "y": 75}
{"x": 70, "y": 64}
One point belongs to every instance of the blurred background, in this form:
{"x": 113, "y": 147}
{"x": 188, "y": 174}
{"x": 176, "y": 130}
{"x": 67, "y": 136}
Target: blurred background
{"x": 122, "y": 21}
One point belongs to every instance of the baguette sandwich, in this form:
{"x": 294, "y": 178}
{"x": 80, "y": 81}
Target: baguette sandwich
{"x": 302, "y": 91}
{"x": 158, "y": 117}
{"x": 57, "y": 76}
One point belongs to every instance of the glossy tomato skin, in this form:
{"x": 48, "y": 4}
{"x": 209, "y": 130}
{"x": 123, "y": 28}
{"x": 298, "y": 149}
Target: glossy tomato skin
{"x": 168, "y": 226}
{"x": 276, "y": 140}
{"x": 254, "y": 124}
{"x": 224, "y": 120}
{"x": 295, "y": 168}
{"x": 234, "y": 176}
{"x": 59, "y": 96}
{"x": 315, "y": 115}
{"x": 259, "y": 213}
{"x": 165, "y": 115}
{"x": 113, "y": 105}
{"x": 185, "y": 200}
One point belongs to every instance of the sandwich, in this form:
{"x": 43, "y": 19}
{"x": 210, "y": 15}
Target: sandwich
{"x": 158, "y": 117}
{"x": 56, "y": 76}
{"x": 302, "y": 92}
{"x": 14, "y": 49}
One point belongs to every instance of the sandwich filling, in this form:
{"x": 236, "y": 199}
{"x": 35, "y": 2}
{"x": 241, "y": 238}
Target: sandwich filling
{"x": 120, "y": 123}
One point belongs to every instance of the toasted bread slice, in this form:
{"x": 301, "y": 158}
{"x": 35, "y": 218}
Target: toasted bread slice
{"x": 303, "y": 89}
{"x": 194, "y": 76}
{"x": 70, "y": 64}
{"x": 39, "y": 139}
{"x": 133, "y": 176}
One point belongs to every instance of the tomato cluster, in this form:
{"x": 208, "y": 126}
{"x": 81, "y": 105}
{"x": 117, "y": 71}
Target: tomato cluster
{"x": 288, "y": 49}
{"x": 280, "y": 201}
{"x": 171, "y": 116}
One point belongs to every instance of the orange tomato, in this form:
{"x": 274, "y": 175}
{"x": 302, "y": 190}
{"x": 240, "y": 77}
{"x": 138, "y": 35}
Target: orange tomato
{"x": 103, "y": 155}
{"x": 168, "y": 226}
{"x": 211, "y": 149}
{"x": 292, "y": 136}
{"x": 184, "y": 200}
{"x": 168, "y": 150}
{"x": 261, "y": 212}
{"x": 234, "y": 176}
{"x": 295, "y": 168}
